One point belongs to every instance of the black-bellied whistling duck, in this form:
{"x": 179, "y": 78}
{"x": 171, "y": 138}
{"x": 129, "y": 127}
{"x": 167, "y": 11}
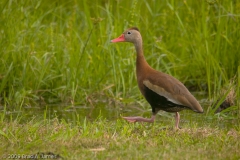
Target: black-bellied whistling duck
{"x": 162, "y": 91}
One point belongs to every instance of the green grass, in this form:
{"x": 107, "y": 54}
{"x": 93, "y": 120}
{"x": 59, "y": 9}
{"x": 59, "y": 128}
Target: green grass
{"x": 103, "y": 139}
{"x": 59, "y": 53}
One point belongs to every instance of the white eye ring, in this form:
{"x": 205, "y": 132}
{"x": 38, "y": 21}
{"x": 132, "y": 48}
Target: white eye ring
{"x": 128, "y": 32}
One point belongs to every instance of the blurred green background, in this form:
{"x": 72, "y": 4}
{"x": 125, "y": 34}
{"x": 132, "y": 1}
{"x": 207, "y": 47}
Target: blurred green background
{"x": 59, "y": 52}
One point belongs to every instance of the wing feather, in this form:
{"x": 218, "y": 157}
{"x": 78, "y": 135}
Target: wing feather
{"x": 175, "y": 92}
{"x": 161, "y": 91}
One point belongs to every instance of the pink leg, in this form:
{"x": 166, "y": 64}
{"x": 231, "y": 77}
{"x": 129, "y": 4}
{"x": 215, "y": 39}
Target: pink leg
{"x": 140, "y": 119}
{"x": 177, "y": 118}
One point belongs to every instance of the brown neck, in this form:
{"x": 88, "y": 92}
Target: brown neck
{"x": 141, "y": 62}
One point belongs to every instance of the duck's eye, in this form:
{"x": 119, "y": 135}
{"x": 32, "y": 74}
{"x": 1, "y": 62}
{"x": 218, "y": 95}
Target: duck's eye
{"x": 128, "y": 32}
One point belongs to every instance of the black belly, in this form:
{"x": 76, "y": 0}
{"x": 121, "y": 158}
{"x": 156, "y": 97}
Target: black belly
{"x": 159, "y": 102}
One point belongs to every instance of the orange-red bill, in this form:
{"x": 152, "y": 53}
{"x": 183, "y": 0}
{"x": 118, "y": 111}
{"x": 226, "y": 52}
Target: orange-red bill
{"x": 119, "y": 39}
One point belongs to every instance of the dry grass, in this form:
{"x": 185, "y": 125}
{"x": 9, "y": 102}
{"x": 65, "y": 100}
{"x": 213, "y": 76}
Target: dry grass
{"x": 226, "y": 96}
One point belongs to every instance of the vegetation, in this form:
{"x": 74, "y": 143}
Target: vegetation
{"x": 58, "y": 53}
{"x": 103, "y": 139}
